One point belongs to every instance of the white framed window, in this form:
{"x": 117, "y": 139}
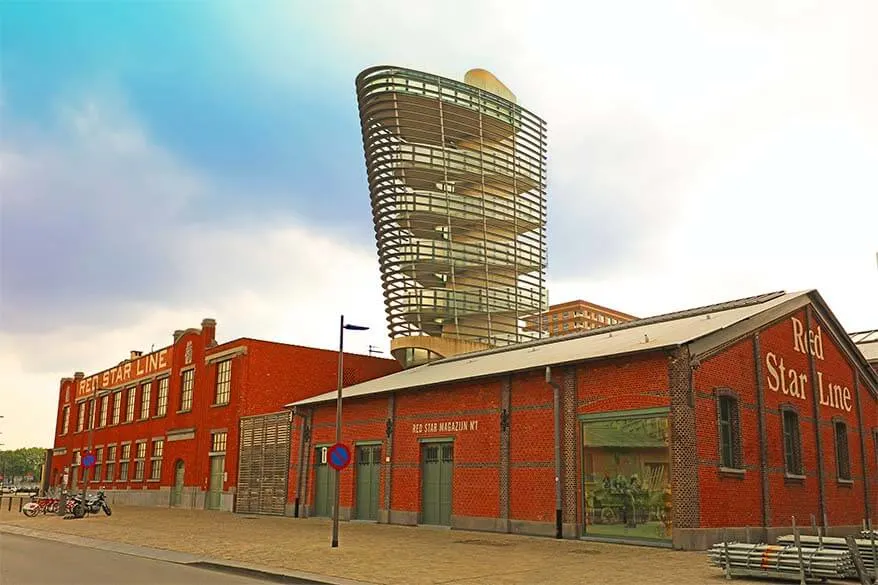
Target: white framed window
{"x": 186, "y": 386}
{"x": 132, "y": 402}
{"x": 117, "y": 406}
{"x": 161, "y": 399}
{"x": 223, "y": 382}
{"x": 139, "y": 460}
{"x": 145, "y": 397}
{"x": 155, "y": 464}
{"x": 105, "y": 407}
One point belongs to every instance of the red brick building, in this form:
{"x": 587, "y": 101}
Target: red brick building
{"x": 734, "y": 416}
{"x": 196, "y": 423}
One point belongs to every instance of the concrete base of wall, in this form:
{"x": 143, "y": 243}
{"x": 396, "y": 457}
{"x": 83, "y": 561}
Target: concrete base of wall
{"x": 704, "y": 538}
{"x": 531, "y": 528}
{"x": 478, "y": 524}
{"x": 403, "y": 517}
{"x": 192, "y": 498}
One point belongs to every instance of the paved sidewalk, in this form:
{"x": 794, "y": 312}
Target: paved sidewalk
{"x": 369, "y": 553}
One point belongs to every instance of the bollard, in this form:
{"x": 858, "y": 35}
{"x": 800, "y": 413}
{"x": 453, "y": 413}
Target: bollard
{"x": 9, "y": 504}
{"x": 728, "y": 568}
{"x": 798, "y": 542}
{"x": 874, "y": 553}
{"x": 20, "y": 504}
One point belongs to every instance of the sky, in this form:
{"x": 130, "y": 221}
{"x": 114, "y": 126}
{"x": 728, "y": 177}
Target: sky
{"x": 163, "y": 162}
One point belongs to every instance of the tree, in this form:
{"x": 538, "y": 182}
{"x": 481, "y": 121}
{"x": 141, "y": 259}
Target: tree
{"x": 19, "y": 462}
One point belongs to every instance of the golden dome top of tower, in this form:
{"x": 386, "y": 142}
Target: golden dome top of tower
{"x": 485, "y": 80}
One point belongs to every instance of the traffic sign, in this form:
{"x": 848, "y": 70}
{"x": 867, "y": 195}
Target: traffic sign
{"x": 88, "y": 460}
{"x": 339, "y": 456}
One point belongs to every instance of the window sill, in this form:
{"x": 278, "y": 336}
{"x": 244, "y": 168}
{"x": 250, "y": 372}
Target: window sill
{"x": 159, "y": 416}
{"x": 184, "y": 411}
{"x": 793, "y": 478}
{"x": 845, "y": 482}
{"x": 732, "y": 472}
{"x": 153, "y": 480}
{"x": 219, "y": 405}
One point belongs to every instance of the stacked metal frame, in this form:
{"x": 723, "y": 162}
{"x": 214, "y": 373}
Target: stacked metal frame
{"x": 457, "y": 177}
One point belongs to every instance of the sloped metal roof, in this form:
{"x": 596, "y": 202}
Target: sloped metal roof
{"x": 867, "y": 343}
{"x": 865, "y": 337}
{"x": 663, "y": 331}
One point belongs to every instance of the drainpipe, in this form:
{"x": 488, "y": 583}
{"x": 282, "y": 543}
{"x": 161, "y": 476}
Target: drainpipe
{"x": 556, "y": 407}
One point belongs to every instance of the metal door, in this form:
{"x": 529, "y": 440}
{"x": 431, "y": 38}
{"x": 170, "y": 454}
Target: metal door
{"x": 323, "y": 485}
{"x": 368, "y": 465}
{"x": 177, "y": 490}
{"x": 438, "y": 460}
{"x": 215, "y": 491}
{"x": 264, "y": 464}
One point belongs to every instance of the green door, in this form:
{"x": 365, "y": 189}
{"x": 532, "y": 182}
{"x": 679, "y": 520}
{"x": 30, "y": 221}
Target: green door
{"x": 177, "y": 490}
{"x": 215, "y": 491}
{"x": 368, "y": 462}
{"x": 323, "y": 485}
{"x": 438, "y": 459}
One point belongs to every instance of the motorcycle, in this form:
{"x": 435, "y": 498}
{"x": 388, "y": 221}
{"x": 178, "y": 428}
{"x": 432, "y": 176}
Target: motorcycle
{"x": 92, "y": 505}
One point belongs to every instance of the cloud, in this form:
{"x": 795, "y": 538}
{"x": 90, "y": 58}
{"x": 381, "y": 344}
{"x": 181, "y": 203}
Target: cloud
{"x": 697, "y": 153}
{"x": 643, "y": 100}
{"x": 103, "y": 252}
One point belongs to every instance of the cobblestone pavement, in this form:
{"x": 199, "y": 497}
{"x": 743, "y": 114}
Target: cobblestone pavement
{"x": 385, "y": 554}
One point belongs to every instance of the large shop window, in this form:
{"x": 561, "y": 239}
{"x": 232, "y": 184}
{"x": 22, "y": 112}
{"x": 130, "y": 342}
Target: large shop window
{"x": 729, "y": 431}
{"x": 792, "y": 442}
{"x": 842, "y": 453}
{"x": 627, "y": 481}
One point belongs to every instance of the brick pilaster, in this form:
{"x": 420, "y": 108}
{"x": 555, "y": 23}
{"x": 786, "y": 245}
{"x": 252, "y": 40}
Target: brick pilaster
{"x": 763, "y": 434}
{"x": 684, "y": 455}
{"x": 815, "y": 412}
{"x": 306, "y": 464}
{"x": 388, "y": 451}
{"x": 863, "y": 431}
{"x": 505, "y": 424}
{"x": 569, "y": 452}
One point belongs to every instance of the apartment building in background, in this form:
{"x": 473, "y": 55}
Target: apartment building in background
{"x": 574, "y": 316}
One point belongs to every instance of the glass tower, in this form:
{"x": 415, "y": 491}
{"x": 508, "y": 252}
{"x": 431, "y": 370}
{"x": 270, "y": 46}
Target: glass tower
{"x": 457, "y": 177}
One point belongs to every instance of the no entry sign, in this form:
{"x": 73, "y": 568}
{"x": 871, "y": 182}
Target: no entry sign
{"x": 339, "y": 456}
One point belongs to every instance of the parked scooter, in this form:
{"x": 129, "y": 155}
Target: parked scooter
{"x": 92, "y": 505}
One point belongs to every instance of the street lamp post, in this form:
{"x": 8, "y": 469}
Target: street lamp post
{"x": 341, "y": 329}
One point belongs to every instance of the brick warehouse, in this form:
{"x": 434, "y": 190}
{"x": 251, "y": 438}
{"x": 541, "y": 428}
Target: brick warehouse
{"x": 671, "y": 429}
{"x": 195, "y": 424}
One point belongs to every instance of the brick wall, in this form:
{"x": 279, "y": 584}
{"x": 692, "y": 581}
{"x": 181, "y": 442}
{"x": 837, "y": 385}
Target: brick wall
{"x": 728, "y": 499}
{"x": 265, "y": 376}
{"x": 531, "y": 449}
{"x": 788, "y": 376}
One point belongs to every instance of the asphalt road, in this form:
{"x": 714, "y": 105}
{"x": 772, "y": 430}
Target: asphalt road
{"x": 33, "y": 561}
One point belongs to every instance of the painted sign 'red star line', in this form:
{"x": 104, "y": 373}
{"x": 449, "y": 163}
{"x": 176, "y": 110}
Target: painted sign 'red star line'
{"x": 784, "y": 379}
{"x": 125, "y": 372}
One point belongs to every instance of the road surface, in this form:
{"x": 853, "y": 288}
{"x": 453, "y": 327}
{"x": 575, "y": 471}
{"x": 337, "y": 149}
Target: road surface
{"x": 33, "y": 561}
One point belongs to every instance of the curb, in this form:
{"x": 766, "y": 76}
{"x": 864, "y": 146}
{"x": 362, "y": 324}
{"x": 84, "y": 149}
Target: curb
{"x": 276, "y": 575}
